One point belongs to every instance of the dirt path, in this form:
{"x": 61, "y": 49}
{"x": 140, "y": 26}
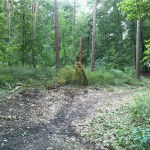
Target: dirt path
{"x": 53, "y": 119}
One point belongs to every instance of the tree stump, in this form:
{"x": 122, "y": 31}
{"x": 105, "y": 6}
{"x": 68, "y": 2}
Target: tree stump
{"x": 80, "y": 75}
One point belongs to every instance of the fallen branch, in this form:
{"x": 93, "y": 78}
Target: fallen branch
{"x": 8, "y": 85}
{"x": 14, "y": 90}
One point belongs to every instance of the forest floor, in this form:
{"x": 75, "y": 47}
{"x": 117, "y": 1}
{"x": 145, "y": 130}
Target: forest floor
{"x": 52, "y": 119}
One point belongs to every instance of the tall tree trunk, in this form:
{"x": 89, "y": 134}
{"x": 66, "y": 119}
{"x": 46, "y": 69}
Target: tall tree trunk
{"x": 23, "y": 42}
{"x": 94, "y": 37}
{"x": 64, "y": 48}
{"x": 34, "y": 18}
{"x": 138, "y": 49}
{"x": 88, "y": 45}
{"x": 23, "y": 38}
{"x": 57, "y": 35}
{"x": 8, "y": 3}
{"x": 74, "y": 28}
{"x": 80, "y": 52}
{"x": 133, "y": 40}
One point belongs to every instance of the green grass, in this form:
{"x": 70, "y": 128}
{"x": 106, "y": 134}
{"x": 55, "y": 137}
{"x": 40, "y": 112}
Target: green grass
{"x": 101, "y": 76}
{"x": 67, "y": 76}
{"x": 111, "y": 76}
{"x": 24, "y": 75}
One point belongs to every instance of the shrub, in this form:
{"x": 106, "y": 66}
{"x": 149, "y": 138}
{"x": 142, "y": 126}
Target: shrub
{"x": 140, "y": 110}
{"x": 104, "y": 76}
{"x": 66, "y": 76}
{"x": 94, "y": 77}
{"x": 20, "y": 73}
{"x": 146, "y": 59}
{"x": 100, "y": 77}
{"x": 25, "y": 75}
{"x": 136, "y": 138}
{"x": 6, "y": 80}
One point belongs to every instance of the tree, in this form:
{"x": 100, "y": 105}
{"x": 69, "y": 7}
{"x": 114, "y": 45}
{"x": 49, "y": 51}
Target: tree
{"x": 74, "y": 28}
{"x": 57, "y": 35}
{"x": 34, "y": 19}
{"x": 138, "y": 49}
{"x": 84, "y": 29}
{"x": 32, "y": 34}
{"x": 135, "y": 10}
{"x": 8, "y": 5}
{"x": 65, "y": 30}
{"x": 23, "y": 18}
{"x": 94, "y": 36}
{"x": 2, "y": 32}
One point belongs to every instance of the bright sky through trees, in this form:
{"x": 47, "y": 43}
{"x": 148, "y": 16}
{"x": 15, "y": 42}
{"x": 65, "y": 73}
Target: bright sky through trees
{"x": 81, "y": 2}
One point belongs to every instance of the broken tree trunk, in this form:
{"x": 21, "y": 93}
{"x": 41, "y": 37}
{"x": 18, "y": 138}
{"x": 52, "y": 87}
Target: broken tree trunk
{"x": 80, "y": 74}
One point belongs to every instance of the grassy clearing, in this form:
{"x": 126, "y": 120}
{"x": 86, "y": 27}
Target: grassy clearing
{"x": 99, "y": 77}
{"x": 26, "y": 76}
{"x": 109, "y": 130}
{"x": 125, "y": 128}
{"x": 48, "y": 77}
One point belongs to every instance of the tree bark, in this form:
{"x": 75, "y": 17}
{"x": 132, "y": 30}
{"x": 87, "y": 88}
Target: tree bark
{"x": 57, "y": 35}
{"x": 133, "y": 41}
{"x": 74, "y": 28}
{"x": 80, "y": 74}
{"x": 8, "y": 3}
{"x": 23, "y": 38}
{"x": 34, "y": 18}
{"x": 138, "y": 49}
{"x": 94, "y": 37}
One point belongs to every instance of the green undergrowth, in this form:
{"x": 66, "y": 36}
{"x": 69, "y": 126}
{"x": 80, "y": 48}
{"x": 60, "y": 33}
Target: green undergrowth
{"x": 111, "y": 76}
{"x": 48, "y": 77}
{"x": 125, "y": 128}
{"x": 99, "y": 77}
{"x": 25, "y": 76}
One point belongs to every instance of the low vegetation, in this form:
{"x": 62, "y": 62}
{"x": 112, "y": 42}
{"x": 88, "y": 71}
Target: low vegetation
{"x": 124, "y": 128}
{"x": 12, "y": 76}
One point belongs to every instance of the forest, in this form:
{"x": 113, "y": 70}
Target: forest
{"x": 70, "y": 70}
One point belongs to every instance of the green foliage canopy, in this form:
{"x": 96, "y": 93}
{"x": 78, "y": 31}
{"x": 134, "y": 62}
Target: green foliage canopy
{"x": 135, "y": 9}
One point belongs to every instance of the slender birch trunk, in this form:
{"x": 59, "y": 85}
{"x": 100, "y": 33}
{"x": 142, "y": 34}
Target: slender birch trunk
{"x": 57, "y": 35}
{"x": 94, "y": 37}
{"x": 34, "y": 18}
{"x": 138, "y": 49}
{"x": 8, "y": 5}
{"x": 74, "y": 28}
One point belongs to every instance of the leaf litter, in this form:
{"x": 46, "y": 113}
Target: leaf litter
{"x": 54, "y": 119}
